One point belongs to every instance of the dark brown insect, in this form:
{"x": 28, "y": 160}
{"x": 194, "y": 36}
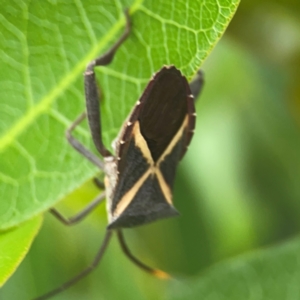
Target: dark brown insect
{"x": 140, "y": 176}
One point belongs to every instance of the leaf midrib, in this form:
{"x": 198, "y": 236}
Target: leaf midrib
{"x": 44, "y": 104}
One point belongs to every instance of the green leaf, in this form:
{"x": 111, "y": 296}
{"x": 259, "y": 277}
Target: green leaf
{"x": 14, "y": 245}
{"x": 266, "y": 274}
{"x": 45, "y": 48}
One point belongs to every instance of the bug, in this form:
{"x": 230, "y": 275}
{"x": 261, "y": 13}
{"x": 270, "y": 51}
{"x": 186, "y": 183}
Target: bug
{"x": 139, "y": 177}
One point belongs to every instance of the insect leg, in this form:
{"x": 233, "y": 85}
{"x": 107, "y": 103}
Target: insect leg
{"x": 83, "y": 273}
{"x": 99, "y": 183}
{"x": 92, "y": 94}
{"x": 197, "y": 84}
{"x": 78, "y": 146}
{"x": 95, "y": 160}
{"x": 81, "y": 215}
{"x": 157, "y": 273}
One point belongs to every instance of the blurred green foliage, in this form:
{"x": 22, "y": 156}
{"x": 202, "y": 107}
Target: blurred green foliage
{"x": 237, "y": 188}
{"x": 14, "y": 245}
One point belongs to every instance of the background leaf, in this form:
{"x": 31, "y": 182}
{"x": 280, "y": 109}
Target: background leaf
{"x": 14, "y": 245}
{"x": 266, "y": 274}
{"x": 46, "y": 46}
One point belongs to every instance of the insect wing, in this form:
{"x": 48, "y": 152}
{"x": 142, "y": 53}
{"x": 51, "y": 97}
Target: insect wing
{"x": 154, "y": 139}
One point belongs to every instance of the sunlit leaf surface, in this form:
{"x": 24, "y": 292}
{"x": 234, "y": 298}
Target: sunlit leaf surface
{"x": 45, "y": 48}
{"x": 14, "y": 245}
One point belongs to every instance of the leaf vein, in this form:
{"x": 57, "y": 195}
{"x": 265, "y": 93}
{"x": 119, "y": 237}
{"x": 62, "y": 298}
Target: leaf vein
{"x": 42, "y": 106}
